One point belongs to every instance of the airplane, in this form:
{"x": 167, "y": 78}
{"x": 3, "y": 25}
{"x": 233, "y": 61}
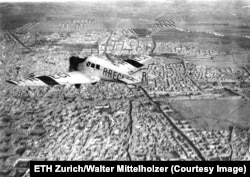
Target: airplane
{"x": 92, "y": 69}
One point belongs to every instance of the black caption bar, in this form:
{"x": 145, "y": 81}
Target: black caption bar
{"x": 191, "y": 168}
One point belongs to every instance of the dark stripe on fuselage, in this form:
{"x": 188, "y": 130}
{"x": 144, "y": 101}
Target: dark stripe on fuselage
{"x": 47, "y": 80}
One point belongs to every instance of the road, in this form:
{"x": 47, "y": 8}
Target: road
{"x": 199, "y": 154}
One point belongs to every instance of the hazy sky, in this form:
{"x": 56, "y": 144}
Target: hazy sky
{"x": 88, "y": 0}
{"x": 248, "y": 1}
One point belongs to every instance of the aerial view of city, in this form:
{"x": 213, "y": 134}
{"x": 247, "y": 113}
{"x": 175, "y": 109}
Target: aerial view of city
{"x": 191, "y": 102}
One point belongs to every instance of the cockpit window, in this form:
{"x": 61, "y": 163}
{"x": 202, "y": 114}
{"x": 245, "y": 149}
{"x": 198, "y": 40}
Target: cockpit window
{"x": 97, "y": 66}
{"x": 88, "y": 63}
{"x": 92, "y": 65}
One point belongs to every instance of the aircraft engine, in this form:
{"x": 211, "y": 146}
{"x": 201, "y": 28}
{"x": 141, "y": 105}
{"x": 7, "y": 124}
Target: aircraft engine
{"x": 73, "y": 65}
{"x": 74, "y": 62}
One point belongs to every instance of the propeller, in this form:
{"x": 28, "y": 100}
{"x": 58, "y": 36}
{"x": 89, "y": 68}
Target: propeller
{"x": 73, "y": 65}
{"x": 74, "y": 62}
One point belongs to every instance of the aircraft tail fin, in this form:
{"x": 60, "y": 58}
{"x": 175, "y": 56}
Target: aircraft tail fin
{"x": 141, "y": 77}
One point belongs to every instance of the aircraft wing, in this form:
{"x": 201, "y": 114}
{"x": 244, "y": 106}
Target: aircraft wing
{"x": 75, "y": 77}
{"x": 144, "y": 59}
{"x": 133, "y": 65}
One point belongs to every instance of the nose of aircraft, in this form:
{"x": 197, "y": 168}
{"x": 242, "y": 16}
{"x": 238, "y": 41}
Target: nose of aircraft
{"x": 74, "y": 62}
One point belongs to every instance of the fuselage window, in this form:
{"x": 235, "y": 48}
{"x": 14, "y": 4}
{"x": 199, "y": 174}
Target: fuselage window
{"x": 92, "y": 65}
{"x": 88, "y": 63}
{"x": 97, "y": 66}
